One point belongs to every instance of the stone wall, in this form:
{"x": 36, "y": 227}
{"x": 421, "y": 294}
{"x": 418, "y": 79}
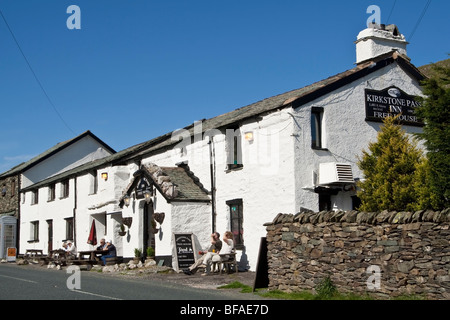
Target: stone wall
{"x": 409, "y": 249}
{"x": 8, "y": 199}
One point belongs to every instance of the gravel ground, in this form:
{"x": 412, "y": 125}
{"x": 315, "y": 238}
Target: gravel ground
{"x": 196, "y": 280}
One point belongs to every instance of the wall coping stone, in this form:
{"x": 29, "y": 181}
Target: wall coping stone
{"x": 361, "y": 217}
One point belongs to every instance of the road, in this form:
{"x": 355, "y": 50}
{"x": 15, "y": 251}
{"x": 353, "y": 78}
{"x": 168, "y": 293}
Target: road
{"x": 30, "y": 283}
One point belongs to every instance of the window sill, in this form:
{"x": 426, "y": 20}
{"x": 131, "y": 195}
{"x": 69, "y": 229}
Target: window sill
{"x": 318, "y": 148}
{"x": 33, "y": 241}
{"x": 234, "y": 167}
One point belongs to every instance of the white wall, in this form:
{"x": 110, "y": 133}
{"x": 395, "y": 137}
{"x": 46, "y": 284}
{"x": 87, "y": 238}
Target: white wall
{"x": 346, "y": 131}
{"x": 265, "y": 183}
{"x": 85, "y": 150}
{"x": 102, "y": 206}
{"x": 56, "y": 210}
{"x": 276, "y": 175}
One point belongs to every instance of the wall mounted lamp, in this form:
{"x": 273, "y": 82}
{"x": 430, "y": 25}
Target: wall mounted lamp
{"x": 126, "y": 200}
{"x": 249, "y": 136}
{"x": 147, "y": 196}
{"x": 105, "y": 176}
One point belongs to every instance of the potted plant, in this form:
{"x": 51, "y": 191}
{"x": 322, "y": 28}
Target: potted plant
{"x": 150, "y": 253}
{"x": 137, "y": 255}
{"x": 122, "y": 231}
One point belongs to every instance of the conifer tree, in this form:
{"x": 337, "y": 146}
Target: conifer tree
{"x": 390, "y": 168}
{"x": 435, "y": 113}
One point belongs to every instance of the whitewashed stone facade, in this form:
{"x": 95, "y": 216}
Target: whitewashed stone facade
{"x": 275, "y": 168}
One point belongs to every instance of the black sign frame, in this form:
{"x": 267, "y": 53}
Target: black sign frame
{"x": 185, "y": 250}
{"x": 143, "y": 185}
{"x": 389, "y": 102}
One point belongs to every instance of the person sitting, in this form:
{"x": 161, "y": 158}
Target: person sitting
{"x": 102, "y": 244}
{"x": 111, "y": 251}
{"x": 216, "y": 246}
{"x": 71, "y": 249}
{"x": 227, "y": 248}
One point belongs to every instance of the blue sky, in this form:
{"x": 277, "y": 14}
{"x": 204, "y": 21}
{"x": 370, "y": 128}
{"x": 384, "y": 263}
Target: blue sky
{"x": 138, "y": 69}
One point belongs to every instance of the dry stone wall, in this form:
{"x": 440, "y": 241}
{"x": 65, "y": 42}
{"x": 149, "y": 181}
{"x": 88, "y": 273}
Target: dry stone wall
{"x": 8, "y": 197}
{"x": 386, "y": 253}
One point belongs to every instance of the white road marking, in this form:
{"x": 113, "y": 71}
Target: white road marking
{"x": 95, "y": 294}
{"x": 20, "y": 279}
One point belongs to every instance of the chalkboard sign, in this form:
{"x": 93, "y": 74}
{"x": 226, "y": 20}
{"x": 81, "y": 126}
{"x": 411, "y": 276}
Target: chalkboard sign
{"x": 184, "y": 250}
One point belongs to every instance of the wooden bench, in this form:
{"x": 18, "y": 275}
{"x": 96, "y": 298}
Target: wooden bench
{"x": 229, "y": 263}
{"x": 114, "y": 260}
{"x": 83, "y": 262}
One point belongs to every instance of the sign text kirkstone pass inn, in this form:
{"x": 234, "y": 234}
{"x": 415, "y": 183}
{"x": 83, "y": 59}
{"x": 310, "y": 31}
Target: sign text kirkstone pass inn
{"x": 391, "y": 102}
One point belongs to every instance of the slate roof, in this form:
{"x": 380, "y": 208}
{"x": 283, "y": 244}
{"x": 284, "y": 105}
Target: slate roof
{"x": 295, "y": 98}
{"x": 49, "y": 152}
{"x": 188, "y": 185}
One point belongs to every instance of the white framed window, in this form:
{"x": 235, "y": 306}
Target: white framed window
{"x": 233, "y": 148}
{"x": 34, "y": 231}
{"x": 65, "y": 189}
{"x": 35, "y": 196}
{"x": 93, "y": 185}
{"x": 317, "y": 129}
{"x": 51, "y": 192}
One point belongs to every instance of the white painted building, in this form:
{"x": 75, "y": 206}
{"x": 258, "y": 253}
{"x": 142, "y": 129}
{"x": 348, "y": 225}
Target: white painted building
{"x": 238, "y": 170}
{"x": 37, "y": 208}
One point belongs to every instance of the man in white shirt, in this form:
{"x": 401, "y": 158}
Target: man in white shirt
{"x": 71, "y": 249}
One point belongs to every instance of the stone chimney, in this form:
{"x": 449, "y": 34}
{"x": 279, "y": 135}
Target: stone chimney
{"x": 377, "y": 40}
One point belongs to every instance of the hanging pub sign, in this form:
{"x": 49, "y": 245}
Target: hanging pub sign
{"x": 391, "y": 102}
{"x": 143, "y": 186}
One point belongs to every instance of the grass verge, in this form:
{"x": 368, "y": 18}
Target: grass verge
{"x": 326, "y": 292}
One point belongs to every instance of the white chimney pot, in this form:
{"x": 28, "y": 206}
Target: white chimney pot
{"x": 377, "y": 40}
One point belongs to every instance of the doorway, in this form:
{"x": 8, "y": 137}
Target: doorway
{"x": 50, "y": 235}
{"x": 8, "y": 227}
{"x": 148, "y": 231}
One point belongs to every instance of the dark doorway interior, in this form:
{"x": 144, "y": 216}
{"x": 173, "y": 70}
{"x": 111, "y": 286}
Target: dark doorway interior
{"x": 148, "y": 232}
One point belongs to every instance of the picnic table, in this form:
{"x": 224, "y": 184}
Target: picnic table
{"x": 93, "y": 257}
{"x": 34, "y": 253}
{"x": 91, "y": 254}
{"x": 58, "y": 256}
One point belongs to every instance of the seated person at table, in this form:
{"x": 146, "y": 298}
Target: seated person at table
{"x": 111, "y": 251}
{"x": 102, "y": 244}
{"x": 216, "y": 245}
{"x": 227, "y": 248}
{"x": 71, "y": 249}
